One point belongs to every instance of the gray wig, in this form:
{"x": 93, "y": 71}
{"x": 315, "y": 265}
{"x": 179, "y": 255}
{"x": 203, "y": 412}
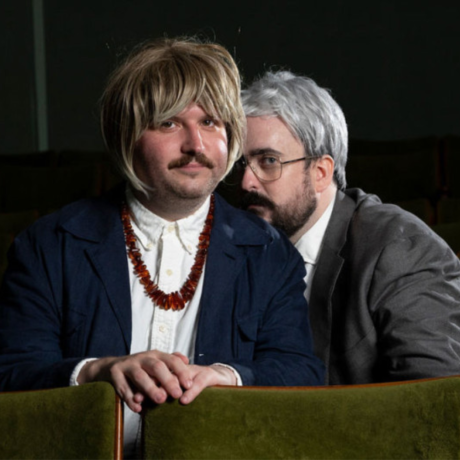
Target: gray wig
{"x": 308, "y": 111}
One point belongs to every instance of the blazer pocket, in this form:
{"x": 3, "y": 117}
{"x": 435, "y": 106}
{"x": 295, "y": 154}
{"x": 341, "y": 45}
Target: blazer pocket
{"x": 247, "y": 336}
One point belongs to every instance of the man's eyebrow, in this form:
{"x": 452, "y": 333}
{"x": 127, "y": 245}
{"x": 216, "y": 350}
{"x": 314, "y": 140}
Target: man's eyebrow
{"x": 264, "y": 151}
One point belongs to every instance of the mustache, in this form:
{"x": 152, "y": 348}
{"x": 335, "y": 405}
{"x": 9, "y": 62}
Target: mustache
{"x": 254, "y": 198}
{"x": 184, "y": 160}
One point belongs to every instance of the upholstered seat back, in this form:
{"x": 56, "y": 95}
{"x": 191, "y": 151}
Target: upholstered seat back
{"x": 419, "y": 420}
{"x": 66, "y": 423}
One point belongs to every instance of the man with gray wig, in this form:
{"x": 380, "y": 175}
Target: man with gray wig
{"x": 383, "y": 289}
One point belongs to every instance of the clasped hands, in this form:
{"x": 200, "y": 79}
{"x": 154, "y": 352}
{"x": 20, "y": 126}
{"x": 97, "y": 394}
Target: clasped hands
{"x": 155, "y": 375}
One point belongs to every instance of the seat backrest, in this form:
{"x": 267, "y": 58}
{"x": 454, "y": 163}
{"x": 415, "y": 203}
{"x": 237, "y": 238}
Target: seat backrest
{"x": 82, "y": 422}
{"x": 417, "y": 420}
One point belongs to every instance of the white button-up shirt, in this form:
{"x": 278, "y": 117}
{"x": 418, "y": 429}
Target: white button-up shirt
{"x": 309, "y": 246}
{"x": 168, "y": 250}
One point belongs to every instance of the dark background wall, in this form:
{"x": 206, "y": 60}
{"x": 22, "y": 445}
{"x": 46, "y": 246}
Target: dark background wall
{"x": 393, "y": 66}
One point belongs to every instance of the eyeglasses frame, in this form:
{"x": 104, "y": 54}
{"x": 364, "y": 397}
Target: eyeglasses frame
{"x": 244, "y": 161}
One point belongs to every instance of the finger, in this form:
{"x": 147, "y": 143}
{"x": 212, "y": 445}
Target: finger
{"x": 204, "y": 377}
{"x": 124, "y": 390}
{"x": 179, "y": 368}
{"x": 132, "y": 372}
{"x": 138, "y": 397}
{"x": 182, "y": 357}
{"x": 160, "y": 372}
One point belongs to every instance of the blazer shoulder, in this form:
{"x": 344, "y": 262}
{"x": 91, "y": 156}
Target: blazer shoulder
{"x": 375, "y": 224}
{"x": 88, "y": 218}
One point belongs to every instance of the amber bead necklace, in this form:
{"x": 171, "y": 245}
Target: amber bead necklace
{"x": 175, "y": 300}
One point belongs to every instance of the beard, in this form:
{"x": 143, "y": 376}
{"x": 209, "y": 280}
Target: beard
{"x": 288, "y": 218}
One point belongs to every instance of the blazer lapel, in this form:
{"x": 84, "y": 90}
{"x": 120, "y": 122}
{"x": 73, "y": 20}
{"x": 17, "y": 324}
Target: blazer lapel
{"x": 101, "y": 226}
{"x": 327, "y": 272}
{"x": 110, "y": 263}
{"x": 227, "y": 255}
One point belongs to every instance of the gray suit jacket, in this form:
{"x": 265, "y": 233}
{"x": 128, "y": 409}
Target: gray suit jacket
{"x": 385, "y": 298}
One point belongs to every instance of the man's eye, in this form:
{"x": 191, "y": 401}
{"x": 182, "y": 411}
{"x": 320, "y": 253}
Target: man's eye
{"x": 267, "y": 161}
{"x": 209, "y": 122}
{"x": 167, "y": 124}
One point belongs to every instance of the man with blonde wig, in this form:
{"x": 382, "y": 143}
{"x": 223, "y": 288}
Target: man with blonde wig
{"x": 383, "y": 289}
{"x": 160, "y": 288}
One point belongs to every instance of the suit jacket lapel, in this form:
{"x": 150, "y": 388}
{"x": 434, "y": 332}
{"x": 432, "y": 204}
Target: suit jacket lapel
{"x": 110, "y": 262}
{"x": 226, "y": 257}
{"x": 327, "y": 272}
{"x": 101, "y": 227}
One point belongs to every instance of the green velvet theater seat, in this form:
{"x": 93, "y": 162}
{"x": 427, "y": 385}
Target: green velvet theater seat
{"x": 413, "y": 420}
{"x": 81, "y": 422}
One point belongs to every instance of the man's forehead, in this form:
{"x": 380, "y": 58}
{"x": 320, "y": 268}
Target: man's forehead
{"x": 269, "y": 133}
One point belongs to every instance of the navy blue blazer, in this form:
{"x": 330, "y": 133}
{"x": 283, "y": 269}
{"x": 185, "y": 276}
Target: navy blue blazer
{"x": 65, "y": 296}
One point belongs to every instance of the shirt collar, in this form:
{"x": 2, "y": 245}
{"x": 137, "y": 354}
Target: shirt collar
{"x": 151, "y": 226}
{"x": 309, "y": 244}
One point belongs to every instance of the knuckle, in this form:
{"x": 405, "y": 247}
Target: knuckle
{"x": 115, "y": 373}
{"x": 157, "y": 366}
{"x": 137, "y": 375}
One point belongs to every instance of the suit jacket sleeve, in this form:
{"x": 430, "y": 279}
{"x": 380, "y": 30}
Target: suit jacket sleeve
{"x": 31, "y": 319}
{"x": 414, "y": 296}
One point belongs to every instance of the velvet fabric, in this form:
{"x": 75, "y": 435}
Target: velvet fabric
{"x": 64, "y": 423}
{"x": 416, "y": 420}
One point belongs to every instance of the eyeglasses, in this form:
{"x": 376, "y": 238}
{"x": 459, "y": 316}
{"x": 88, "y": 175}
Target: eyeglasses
{"x": 266, "y": 167}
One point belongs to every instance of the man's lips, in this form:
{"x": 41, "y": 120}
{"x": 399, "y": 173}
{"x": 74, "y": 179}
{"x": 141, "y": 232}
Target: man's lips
{"x": 192, "y": 165}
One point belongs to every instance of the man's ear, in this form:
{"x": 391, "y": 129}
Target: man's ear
{"x": 322, "y": 171}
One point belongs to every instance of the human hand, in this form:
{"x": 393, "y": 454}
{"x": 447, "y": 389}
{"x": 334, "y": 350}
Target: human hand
{"x": 207, "y": 376}
{"x": 155, "y": 375}
{"x": 151, "y": 374}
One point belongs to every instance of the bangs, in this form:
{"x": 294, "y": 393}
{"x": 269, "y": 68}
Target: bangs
{"x": 158, "y": 81}
{"x": 176, "y": 83}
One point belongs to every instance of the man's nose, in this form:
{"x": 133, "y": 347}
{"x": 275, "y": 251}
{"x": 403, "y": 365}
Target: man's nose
{"x": 193, "y": 141}
{"x": 249, "y": 181}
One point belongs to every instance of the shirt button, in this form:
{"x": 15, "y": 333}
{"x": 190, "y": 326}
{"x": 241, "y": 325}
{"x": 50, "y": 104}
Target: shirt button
{"x": 163, "y": 328}
{"x": 189, "y": 247}
{"x": 170, "y": 228}
{"x": 169, "y": 272}
{"x": 150, "y": 246}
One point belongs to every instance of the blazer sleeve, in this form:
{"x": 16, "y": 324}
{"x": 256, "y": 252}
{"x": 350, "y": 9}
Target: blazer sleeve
{"x": 31, "y": 318}
{"x": 415, "y": 303}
